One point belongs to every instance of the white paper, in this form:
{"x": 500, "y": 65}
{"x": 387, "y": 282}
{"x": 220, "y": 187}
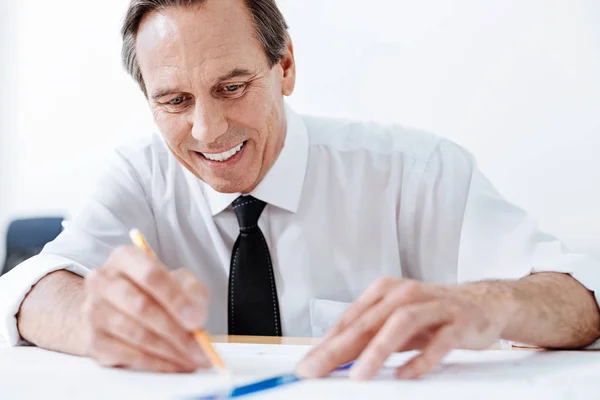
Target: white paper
{"x": 28, "y": 372}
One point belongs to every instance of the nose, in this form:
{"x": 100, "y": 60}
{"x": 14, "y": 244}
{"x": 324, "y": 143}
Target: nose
{"x": 208, "y": 122}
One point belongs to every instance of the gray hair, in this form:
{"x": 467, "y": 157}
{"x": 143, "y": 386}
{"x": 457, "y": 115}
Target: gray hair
{"x": 270, "y": 29}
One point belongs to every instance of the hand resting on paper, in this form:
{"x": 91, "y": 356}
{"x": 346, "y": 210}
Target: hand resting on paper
{"x": 140, "y": 315}
{"x": 395, "y": 315}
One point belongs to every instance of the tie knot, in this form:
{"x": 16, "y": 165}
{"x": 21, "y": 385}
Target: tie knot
{"x": 247, "y": 210}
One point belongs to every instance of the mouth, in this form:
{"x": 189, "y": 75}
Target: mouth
{"x": 223, "y": 158}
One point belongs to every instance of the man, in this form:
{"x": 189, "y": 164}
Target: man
{"x": 286, "y": 220}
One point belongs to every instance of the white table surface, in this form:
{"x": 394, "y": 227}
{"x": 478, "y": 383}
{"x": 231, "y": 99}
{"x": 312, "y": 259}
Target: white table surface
{"x": 32, "y": 373}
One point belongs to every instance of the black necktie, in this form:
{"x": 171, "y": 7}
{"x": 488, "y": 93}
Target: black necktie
{"x": 253, "y": 305}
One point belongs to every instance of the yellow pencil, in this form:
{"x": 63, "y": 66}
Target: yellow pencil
{"x": 200, "y": 335}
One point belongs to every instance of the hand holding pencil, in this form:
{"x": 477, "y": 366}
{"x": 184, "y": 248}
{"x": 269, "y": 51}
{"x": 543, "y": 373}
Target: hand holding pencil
{"x": 200, "y": 335}
{"x": 142, "y": 316}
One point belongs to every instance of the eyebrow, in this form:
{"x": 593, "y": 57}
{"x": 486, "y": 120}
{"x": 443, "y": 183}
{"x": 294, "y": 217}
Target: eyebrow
{"x": 234, "y": 73}
{"x": 165, "y": 92}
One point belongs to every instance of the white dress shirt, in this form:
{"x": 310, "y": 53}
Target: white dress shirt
{"x": 348, "y": 202}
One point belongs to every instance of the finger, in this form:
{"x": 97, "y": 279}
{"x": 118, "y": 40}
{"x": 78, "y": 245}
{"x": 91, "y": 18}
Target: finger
{"x": 419, "y": 341}
{"x": 128, "y": 299}
{"x": 443, "y": 342}
{"x": 95, "y": 282}
{"x": 350, "y": 342}
{"x": 371, "y": 296}
{"x": 323, "y": 359}
{"x": 191, "y": 285}
{"x": 107, "y": 319}
{"x": 399, "y": 329}
{"x": 154, "y": 279}
{"x": 110, "y": 351}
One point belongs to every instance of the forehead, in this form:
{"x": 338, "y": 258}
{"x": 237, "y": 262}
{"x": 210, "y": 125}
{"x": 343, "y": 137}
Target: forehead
{"x": 210, "y": 39}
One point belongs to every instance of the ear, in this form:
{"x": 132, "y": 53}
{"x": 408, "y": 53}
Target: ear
{"x": 288, "y": 67}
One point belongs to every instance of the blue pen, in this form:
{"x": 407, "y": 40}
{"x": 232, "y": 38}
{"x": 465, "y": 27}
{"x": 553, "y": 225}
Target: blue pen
{"x": 260, "y": 386}
{"x": 345, "y": 366}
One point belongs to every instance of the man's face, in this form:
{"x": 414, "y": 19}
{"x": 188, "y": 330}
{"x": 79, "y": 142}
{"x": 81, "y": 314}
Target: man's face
{"x": 212, "y": 93}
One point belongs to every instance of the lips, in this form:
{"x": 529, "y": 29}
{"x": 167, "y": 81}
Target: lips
{"x": 224, "y": 156}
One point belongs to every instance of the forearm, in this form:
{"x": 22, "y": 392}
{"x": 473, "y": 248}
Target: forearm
{"x": 50, "y": 316}
{"x": 552, "y": 310}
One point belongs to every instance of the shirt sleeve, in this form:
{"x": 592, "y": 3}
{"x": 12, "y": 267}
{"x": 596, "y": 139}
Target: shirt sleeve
{"x": 117, "y": 204}
{"x": 501, "y": 241}
{"x": 496, "y": 239}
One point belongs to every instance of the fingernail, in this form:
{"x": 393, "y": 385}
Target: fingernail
{"x": 192, "y": 318}
{"x": 356, "y": 373}
{"x": 307, "y": 369}
{"x": 359, "y": 372}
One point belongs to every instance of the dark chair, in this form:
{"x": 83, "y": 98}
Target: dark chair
{"x": 26, "y": 238}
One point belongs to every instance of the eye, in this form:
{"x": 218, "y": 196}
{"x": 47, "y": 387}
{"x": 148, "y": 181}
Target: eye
{"x": 177, "y": 104}
{"x": 177, "y": 100}
{"x": 232, "y": 88}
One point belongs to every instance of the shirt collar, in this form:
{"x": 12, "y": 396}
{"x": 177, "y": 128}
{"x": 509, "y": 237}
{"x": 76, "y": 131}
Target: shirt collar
{"x": 282, "y": 185}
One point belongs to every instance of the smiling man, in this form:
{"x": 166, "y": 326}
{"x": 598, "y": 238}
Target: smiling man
{"x": 286, "y": 220}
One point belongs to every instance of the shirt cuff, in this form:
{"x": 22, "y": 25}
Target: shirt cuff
{"x": 15, "y": 285}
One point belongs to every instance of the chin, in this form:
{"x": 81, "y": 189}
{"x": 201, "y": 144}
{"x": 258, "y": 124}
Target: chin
{"x": 229, "y": 186}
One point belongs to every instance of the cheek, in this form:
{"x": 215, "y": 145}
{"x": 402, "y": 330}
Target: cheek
{"x": 256, "y": 114}
{"x": 174, "y": 128}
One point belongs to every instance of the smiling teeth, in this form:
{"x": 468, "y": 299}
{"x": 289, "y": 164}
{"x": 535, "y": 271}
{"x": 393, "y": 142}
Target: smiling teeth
{"x": 226, "y": 155}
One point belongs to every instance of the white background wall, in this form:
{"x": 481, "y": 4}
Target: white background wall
{"x": 8, "y": 12}
{"x": 517, "y": 82}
